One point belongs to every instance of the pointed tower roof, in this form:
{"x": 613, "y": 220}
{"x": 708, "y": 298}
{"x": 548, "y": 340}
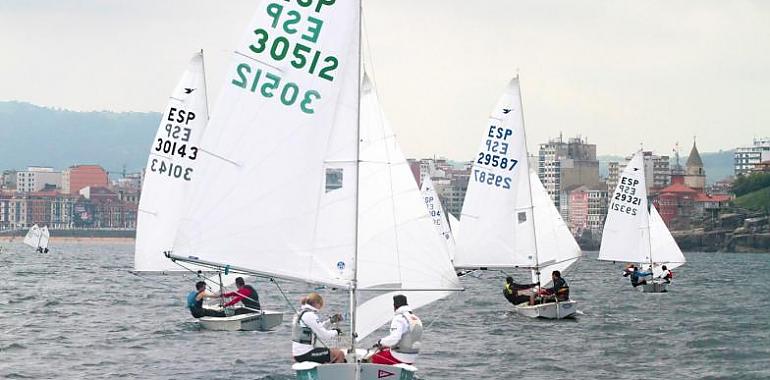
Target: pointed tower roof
{"x": 694, "y": 158}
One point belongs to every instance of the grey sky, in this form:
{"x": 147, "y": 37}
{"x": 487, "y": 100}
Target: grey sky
{"x": 617, "y": 72}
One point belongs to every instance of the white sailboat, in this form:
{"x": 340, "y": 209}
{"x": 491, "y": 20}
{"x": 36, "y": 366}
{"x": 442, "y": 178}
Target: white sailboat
{"x": 303, "y": 179}
{"x": 170, "y": 171}
{"x": 634, "y": 234}
{"x": 437, "y": 214}
{"x": 45, "y": 236}
{"x": 37, "y": 238}
{"x": 508, "y": 219}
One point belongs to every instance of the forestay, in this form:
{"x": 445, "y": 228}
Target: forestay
{"x": 556, "y": 247}
{"x": 275, "y": 190}
{"x": 497, "y": 223}
{"x": 626, "y": 235}
{"x": 398, "y": 244}
{"x": 437, "y": 214}
{"x": 170, "y": 170}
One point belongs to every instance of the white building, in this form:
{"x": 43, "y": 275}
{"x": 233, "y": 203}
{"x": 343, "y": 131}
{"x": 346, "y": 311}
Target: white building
{"x": 35, "y": 178}
{"x": 747, "y": 157}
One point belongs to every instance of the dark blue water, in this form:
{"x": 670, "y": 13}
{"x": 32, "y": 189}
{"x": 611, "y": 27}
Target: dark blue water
{"x": 77, "y": 313}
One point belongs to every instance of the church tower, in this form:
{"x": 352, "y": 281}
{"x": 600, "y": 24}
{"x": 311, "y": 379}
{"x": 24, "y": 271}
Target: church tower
{"x": 695, "y": 175}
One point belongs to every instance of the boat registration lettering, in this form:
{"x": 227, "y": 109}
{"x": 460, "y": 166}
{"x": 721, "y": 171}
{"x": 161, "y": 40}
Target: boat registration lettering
{"x": 160, "y": 166}
{"x": 288, "y": 93}
{"x": 171, "y": 147}
{"x": 623, "y": 208}
{"x": 491, "y": 179}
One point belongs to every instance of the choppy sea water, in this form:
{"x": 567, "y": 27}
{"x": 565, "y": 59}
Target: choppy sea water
{"x": 77, "y": 312}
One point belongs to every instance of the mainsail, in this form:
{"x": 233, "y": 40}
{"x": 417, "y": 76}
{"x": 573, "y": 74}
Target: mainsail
{"x": 437, "y": 214}
{"x": 171, "y": 170}
{"x": 32, "y": 238}
{"x": 497, "y": 221}
{"x": 626, "y": 235}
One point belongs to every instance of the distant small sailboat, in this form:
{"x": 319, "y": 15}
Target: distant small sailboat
{"x": 37, "y": 238}
{"x": 508, "y": 219}
{"x": 635, "y": 232}
{"x": 437, "y": 214}
{"x": 172, "y": 168}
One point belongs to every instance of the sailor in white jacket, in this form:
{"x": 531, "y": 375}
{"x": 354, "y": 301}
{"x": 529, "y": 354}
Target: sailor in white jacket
{"x": 402, "y": 345}
{"x": 309, "y": 332}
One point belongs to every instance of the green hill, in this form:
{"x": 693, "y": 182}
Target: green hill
{"x": 755, "y": 200}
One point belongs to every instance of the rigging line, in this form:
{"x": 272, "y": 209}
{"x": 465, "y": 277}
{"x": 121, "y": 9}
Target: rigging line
{"x": 169, "y": 286}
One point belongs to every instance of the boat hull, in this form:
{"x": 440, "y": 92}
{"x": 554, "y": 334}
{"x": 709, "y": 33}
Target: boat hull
{"x": 551, "y": 310}
{"x": 347, "y": 371}
{"x": 263, "y": 321}
{"x": 654, "y": 287}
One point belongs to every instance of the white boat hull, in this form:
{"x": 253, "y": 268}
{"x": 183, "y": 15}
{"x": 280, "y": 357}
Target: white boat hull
{"x": 654, "y": 287}
{"x": 264, "y": 321}
{"x": 551, "y": 310}
{"x": 347, "y": 371}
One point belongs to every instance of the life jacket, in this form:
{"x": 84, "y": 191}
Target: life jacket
{"x": 300, "y": 333}
{"x": 410, "y": 341}
{"x": 507, "y": 289}
{"x": 562, "y": 293}
{"x": 192, "y": 303}
{"x": 252, "y": 301}
{"x": 669, "y": 275}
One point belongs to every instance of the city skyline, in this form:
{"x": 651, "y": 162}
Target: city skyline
{"x": 605, "y": 71}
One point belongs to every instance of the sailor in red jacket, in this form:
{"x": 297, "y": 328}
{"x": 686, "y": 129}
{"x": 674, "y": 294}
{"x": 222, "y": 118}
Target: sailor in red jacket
{"x": 245, "y": 294}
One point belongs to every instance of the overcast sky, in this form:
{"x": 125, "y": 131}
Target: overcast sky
{"x": 618, "y": 72}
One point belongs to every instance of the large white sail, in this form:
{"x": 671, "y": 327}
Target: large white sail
{"x": 626, "y": 235}
{"x": 32, "y": 238}
{"x": 275, "y": 190}
{"x": 665, "y": 251}
{"x": 497, "y": 223}
{"x": 398, "y": 243}
{"x": 170, "y": 170}
{"x": 556, "y": 247}
{"x": 437, "y": 214}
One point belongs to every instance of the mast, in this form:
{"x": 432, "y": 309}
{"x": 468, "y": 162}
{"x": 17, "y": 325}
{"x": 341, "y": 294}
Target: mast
{"x": 354, "y": 283}
{"x": 529, "y": 183}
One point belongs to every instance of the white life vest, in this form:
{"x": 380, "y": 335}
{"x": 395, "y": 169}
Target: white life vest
{"x": 410, "y": 341}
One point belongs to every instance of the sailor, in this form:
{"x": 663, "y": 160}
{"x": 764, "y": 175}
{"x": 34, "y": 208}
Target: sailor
{"x": 667, "y": 275}
{"x": 637, "y": 276}
{"x": 517, "y": 293}
{"x": 308, "y": 333}
{"x": 559, "y": 291}
{"x": 245, "y": 294}
{"x": 402, "y": 345}
{"x": 195, "y": 302}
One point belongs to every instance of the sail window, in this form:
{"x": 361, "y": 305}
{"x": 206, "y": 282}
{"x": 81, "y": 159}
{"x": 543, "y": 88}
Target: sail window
{"x": 522, "y": 217}
{"x": 333, "y": 179}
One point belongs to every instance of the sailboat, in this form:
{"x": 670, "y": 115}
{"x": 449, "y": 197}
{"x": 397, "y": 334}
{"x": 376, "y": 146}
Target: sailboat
{"x": 508, "y": 220}
{"x": 303, "y": 180}
{"x": 437, "y": 214}
{"x": 37, "y": 238}
{"x": 170, "y": 172}
{"x": 45, "y": 236}
{"x": 635, "y": 232}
